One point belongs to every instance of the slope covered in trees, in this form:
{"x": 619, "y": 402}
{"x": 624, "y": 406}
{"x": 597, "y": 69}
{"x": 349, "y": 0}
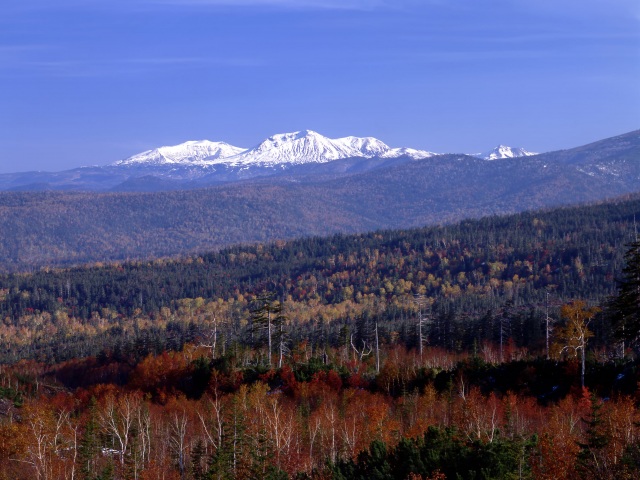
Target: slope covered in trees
{"x": 470, "y": 275}
{"x": 393, "y": 355}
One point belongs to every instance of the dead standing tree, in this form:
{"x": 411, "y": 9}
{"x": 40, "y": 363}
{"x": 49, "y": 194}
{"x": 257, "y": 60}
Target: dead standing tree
{"x": 422, "y": 302}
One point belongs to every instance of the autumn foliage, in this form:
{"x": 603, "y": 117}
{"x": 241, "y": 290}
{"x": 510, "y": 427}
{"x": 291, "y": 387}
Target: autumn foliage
{"x": 406, "y": 422}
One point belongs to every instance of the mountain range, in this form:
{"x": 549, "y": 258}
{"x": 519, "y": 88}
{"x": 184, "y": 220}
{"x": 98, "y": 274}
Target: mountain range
{"x": 196, "y": 164}
{"x": 349, "y": 195}
{"x": 294, "y": 148}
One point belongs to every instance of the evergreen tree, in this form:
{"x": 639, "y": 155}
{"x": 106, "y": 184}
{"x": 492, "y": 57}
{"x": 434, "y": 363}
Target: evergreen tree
{"x": 108, "y": 472}
{"x": 198, "y": 469}
{"x": 624, "y": 309}
{"x": 229, "y": 460}
{"x": 591, "y": 461}
{"x": 373, "y": 464}
{"x": 281, "y": 336}
{"x": 406, "y": 459}
{"x": 263, "y": 318}
{"x": 89, "y": 448}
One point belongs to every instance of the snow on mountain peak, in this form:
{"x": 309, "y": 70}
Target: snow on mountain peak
{"x": 305, "y": 146}
{"x": 192, "y": 152}
{"x": 503, "y": 151}
{"x": 408, "y": 152}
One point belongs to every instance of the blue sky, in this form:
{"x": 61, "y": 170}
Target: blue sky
{"x": 88, "y": 82}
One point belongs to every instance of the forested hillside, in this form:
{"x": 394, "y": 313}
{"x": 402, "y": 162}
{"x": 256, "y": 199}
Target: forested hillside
{"x": 470, "y": 274}
{"x": 415, "y": 354}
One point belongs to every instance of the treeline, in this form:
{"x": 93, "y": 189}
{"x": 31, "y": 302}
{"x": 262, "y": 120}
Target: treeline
{"x": 477, "y": 281}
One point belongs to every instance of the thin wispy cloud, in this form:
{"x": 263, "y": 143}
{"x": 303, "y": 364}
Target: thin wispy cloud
{"x": 116, "y": 68}
{"x": 193, "y": 61}
{"x": 20, "y": 48}
{"x": 19, "y": 51}
{"x": 185, "y": 4}
{"x": 487, "y": 36}
{"x": 14, "y": 57}
{"x": 289, "y": 4}
{"x": 551, "y": 7}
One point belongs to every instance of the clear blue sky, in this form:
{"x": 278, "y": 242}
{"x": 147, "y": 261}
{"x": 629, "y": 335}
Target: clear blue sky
{"x": 88, "y": 82}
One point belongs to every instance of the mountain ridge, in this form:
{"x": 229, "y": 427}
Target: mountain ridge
{"x": 304, "y": 146}
{"x": 343, "y": 196}
{"x": 201, "y": 163}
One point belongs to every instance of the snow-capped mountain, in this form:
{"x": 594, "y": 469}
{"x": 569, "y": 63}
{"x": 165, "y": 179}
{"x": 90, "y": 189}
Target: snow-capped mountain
{"x": 407, "y": 152}
{"x": 284, "y": 149}
{"x": 306, "y": 157}
{"x": 503, "y": 151}
{"x": 308, "y": 147}
{"x": 193, "y": 152}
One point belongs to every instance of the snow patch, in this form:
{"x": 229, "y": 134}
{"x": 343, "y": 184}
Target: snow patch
{"x": 503, "y": 151}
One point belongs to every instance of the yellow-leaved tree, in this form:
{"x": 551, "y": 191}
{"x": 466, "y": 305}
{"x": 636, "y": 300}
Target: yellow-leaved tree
{"x": 572, "y": 338}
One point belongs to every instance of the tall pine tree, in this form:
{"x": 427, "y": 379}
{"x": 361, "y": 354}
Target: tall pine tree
{"x": 624, "y": 309}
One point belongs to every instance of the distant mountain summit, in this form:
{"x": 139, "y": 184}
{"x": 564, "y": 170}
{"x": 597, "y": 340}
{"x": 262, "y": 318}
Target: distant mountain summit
{"x": 193, "y": 152}
{"x": 283, "y": 149}
{"x": 308, "y": 146}
{"x": 503, "y": 151}
{"x": 307, "y": 156}
{"x": 288, "y": 149}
